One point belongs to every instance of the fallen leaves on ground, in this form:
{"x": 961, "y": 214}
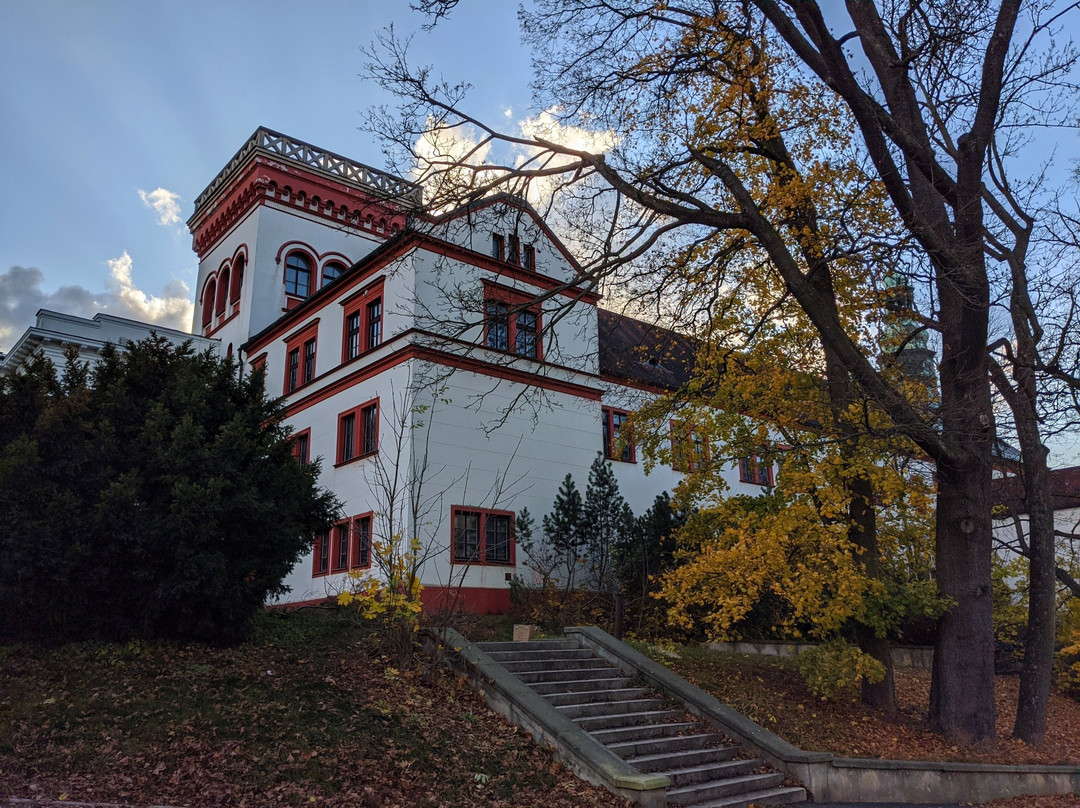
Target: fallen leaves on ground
{"x": 773, "y": 694}
{"x": 266, "y": 724}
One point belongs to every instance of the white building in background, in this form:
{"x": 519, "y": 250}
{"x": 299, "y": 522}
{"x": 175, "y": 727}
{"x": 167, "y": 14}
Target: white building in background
{"x": 449, "y": 370}
{"x": 53, "y": 332}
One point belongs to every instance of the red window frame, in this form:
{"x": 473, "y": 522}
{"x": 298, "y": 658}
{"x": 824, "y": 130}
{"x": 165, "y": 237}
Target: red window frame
{"x": 516, "y": 304}
{"x": 750, "y": 471}
{"x": 364, "y": 438}
{"x": 361, "y": 306}
{"x": 320, "y": 555}
{"x": 480, "y": 557}
{"x": 297, "y": 270}
{"x": 209, "y": 294}
{"x": 498, "y": 247}
{"x": 529, "y": 258}
{"x": 343, "y": 546}
{"x": 628, "y": 453}
{"x": 685, "y": 440}
{"x": 301, "y": 446}
{"x": 359, "y": 549}
{"x": 237, "y": 280}
{"x": 296, "y": 346}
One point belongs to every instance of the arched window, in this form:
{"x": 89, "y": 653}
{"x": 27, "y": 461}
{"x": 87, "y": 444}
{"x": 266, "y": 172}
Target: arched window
{"x": 223, "y": 291}
{"x": 208, "y": 303}
{"x": 297, "y": 275}
{"x": 332, "y": 271}
{"x": 237, "y": 278}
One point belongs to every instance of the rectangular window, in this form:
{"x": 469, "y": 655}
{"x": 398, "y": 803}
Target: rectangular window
{"x": 370, "y": 442}
{"x": 514, "y": 256}
{"x": 358, "y": 432}
{"x": 321, "y": 555}
{"x": 512, "y": 321}
{"x": 362, "y": 321}
{"x": 482, "y": 537}
{"x": 300, "y": 349}
{"x": 309, "y": 360}
{"x": 498, "y": 247}
{"x": 341, "y": 547}
{"x": 498, "y": 326}
{"x": 293, "y": 370}
{"x": 352, "y": 335}
{"x": 374, "y": 324}
{"x": 361, "y": 553}
{"x": 347, "y": 437}
{"x": 689, "y": 447}
{"x": 302, "y": 447}
{"x": 525, "y": 343}
{"x": 617, "y": 442}
{"x": 497, "y": 539}
{"x": 466, "y": 536}
{"x": 755, "y": 471}
{"x": 530, "y": 257}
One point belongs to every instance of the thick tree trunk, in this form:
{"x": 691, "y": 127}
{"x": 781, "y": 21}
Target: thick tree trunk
{"x": 962, "y": 688}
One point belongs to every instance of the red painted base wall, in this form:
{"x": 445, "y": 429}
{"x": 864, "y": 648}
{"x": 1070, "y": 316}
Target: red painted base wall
{"x": 472, "y": 599}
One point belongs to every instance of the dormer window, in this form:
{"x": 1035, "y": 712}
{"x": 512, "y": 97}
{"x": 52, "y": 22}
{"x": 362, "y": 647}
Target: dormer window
{"x": 297, "y": 275}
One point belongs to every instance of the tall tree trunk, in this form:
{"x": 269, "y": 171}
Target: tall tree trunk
{"x": 1037, "y": 672}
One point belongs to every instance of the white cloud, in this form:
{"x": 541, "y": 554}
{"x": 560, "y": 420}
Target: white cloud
{"x": 21, "y": 295}
{"x": 174, "y": 310}
{"x": 439, "y": 152}
{"x": 164, "y": 203}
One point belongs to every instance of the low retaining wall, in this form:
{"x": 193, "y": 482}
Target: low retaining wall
{"x": 903, "y": 656}
{"x": 830, "y": 778}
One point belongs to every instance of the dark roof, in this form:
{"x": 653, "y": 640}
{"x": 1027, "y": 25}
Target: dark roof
{"x": 1064, "y": 490}
{"x": 643, "y": 353}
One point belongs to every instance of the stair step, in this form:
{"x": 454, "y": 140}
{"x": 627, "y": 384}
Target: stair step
{"x": 566, "y": 675}
{"x": 610, "y": 707}
{"x": 626, "y": 719}
{"x": 532, "y": 645}
{"x": 589, "y": 696}
{"x": 731, "y": 787}
{"x": 543, "y": 656}
{"x": 579, "y": 685}
{"x": 530, "y": 665}
{"x": 785, "y": 795}
{"x": 642, "y": 733}
{"x": 667, "y": 757}
{"x": 689, "y": 774}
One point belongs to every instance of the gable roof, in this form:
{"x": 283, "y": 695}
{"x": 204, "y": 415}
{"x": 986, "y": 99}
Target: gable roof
{"x": 642, "y": 353}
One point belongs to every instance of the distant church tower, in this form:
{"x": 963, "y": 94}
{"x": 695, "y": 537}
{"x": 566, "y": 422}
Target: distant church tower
{"x": 280, "y": 221}
{"x": 916, "y": 359}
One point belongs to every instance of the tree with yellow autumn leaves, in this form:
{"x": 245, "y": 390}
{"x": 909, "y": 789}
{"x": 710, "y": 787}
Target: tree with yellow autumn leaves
{"x": 715, "y": 138}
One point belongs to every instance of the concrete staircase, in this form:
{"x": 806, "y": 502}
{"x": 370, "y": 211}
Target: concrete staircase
{"x": 705, "y": 769}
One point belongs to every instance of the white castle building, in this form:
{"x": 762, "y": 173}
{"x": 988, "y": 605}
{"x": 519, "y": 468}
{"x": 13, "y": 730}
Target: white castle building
{"x": 449, "y": 370}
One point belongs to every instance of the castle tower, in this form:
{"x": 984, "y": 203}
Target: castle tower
{"x": 278, "y": 223}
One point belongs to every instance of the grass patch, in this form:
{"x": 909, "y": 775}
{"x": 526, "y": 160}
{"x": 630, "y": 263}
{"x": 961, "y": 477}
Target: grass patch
{"x": 310, "y": 711}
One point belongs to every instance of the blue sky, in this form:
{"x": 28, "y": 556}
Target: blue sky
{"x": 104, "y": 99}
